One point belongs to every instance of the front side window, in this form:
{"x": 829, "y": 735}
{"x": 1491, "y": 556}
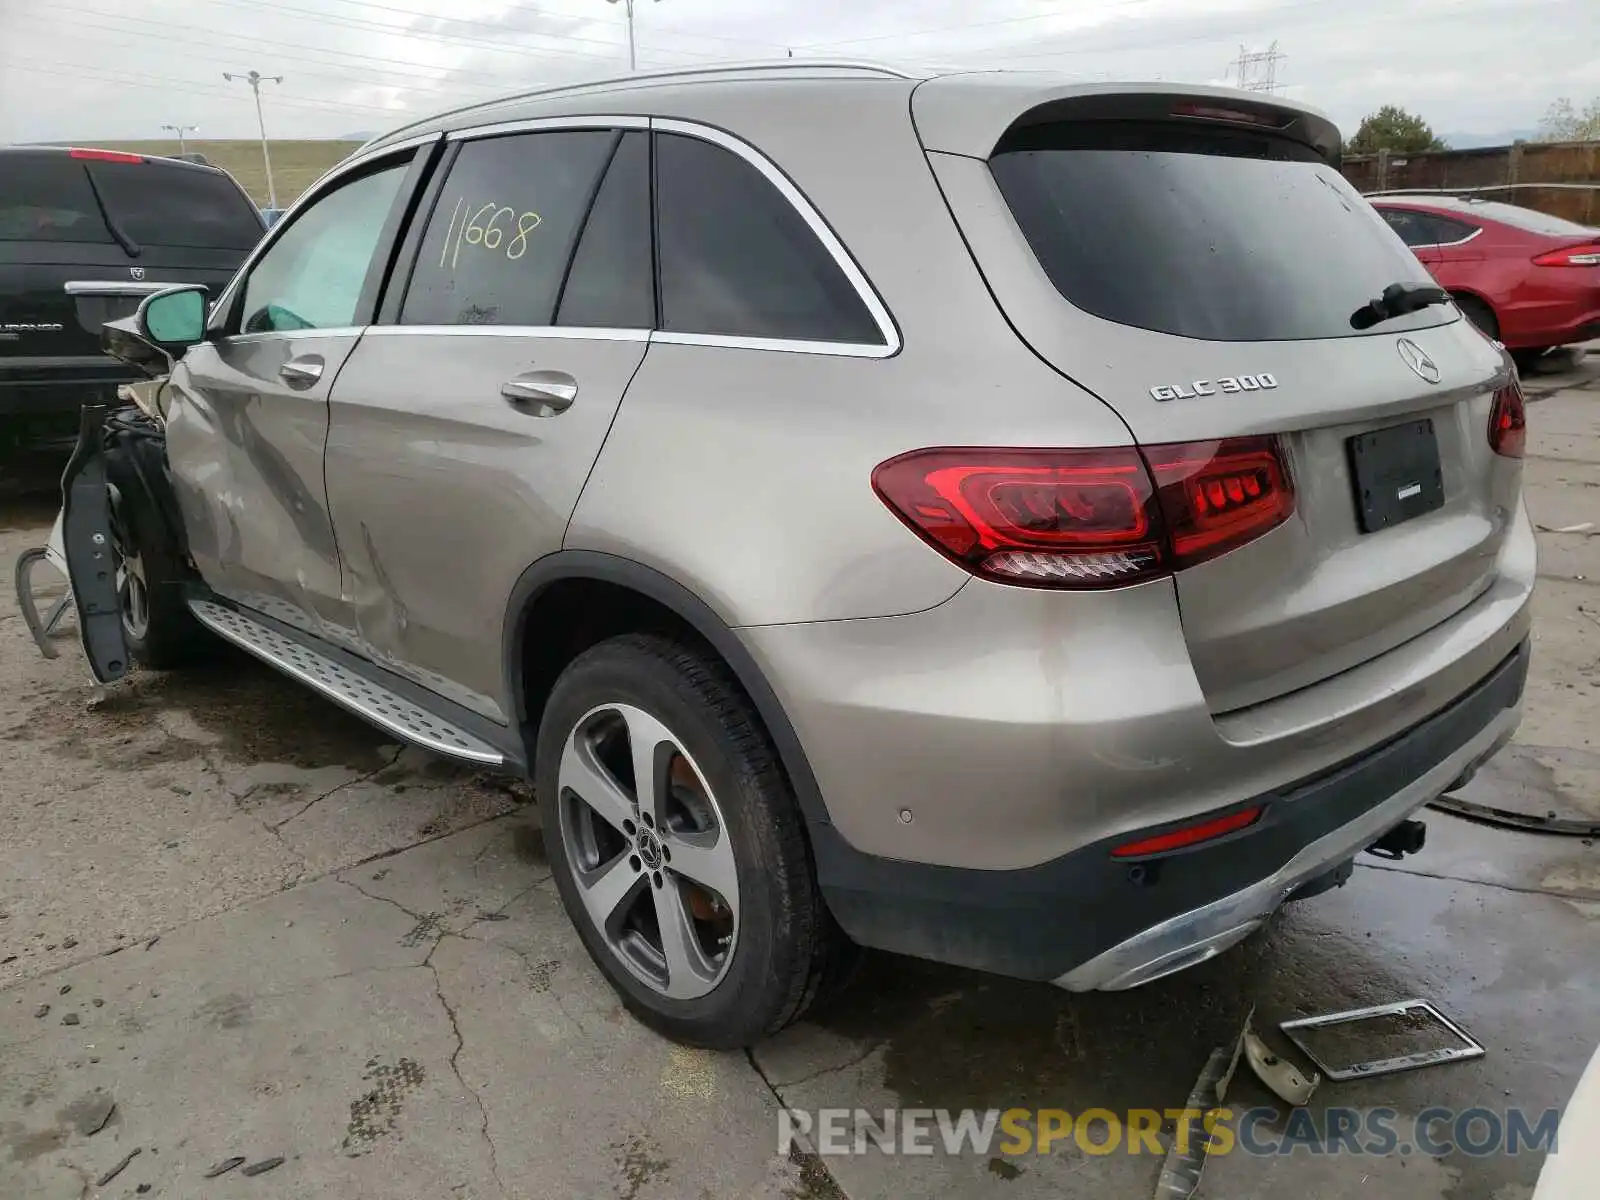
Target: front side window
{"x": 311, "y": 276}
{"x": 737, "y": 259}
{"x": 502, "y": 231}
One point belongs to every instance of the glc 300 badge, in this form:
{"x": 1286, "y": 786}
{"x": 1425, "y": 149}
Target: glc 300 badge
{"x": 1210, "y": 387}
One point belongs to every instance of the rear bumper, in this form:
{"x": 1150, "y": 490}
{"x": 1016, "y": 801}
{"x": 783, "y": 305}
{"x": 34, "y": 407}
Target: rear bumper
{"x": 1089, "y": 922}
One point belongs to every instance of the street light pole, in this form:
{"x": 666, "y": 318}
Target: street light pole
{"x": 633, "y": 58}
{"x": 180, "y": 130}
{"x": 255, "y": 80}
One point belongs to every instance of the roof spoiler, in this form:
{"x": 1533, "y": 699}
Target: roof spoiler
{"x": 969, "y": 114}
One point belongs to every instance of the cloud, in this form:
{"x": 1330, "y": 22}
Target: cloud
{"x": 86, "y": 69}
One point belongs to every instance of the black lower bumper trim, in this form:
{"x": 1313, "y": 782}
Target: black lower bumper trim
{"x": 1042, "y": 921}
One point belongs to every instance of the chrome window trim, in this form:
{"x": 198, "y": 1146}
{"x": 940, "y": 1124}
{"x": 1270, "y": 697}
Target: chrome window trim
{"x": 781, "y": 345}
{"x": 116, "y": 287}
{"x": 570, "y": 332}
{"x": 890, "y": 345}
{"x": 1447, "y": 245}
{"x": 546, "y": 124}
{"x": 326, "y": 181}
{"x": 292, "y": 335}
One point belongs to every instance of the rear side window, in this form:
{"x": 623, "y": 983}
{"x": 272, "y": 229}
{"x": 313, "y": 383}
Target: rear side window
{"x": 502, "y": 232}
{"x": 737, "y": 259}
{"x": 1208, "y": 234}
{"x": 47, "y": 198}
{"x": 159, "y": 205}
{"x": 611, "y": 284}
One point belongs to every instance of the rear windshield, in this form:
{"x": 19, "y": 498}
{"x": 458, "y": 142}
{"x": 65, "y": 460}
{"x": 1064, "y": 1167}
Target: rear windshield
{"x": 52, "y": 198}
{"x": 47, "y": 198}
{"x": 158, "y": 205}
{"x": 1215, "y": 234}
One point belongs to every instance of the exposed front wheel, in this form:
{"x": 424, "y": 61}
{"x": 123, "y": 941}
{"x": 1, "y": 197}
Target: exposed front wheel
{"x": 160, "y": 631}
{"x": 677, "y": 846}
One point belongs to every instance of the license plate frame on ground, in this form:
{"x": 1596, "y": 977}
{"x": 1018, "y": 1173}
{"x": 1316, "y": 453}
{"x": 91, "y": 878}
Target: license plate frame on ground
{"x": 1397, "y": 474}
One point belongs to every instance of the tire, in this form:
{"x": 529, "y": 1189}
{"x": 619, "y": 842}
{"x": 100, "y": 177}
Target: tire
{"x": 760, "y": 946}
{"x": 1480, "y": 314}
{"x": 160, "y": 631}
{"x": 1528, "y": 358}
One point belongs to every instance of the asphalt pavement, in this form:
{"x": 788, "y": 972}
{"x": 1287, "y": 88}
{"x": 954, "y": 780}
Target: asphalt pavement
{"x": 236, "y": 923}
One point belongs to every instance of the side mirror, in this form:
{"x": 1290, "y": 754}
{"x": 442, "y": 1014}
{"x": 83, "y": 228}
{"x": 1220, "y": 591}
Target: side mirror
{"x": 175, "y": 319}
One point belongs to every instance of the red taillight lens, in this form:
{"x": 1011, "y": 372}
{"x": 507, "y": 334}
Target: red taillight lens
{"x": 1587, "y": 255}
{"x": 1190, "y": 835}
{"x": 1050, "y": 518}
{"x": 1216, "y": 496}
{"x": 1508, "y": 421}
{"x": 105, "y": 155}
{"x": 1088, "y": 518}
{"x": 1236, "y": 116}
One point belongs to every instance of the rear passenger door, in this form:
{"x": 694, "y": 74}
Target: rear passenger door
{"x": 464, "y": 425}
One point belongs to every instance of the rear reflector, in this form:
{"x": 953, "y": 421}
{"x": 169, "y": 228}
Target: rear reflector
{"x": 105, "y": 155}
{"x": 1587, "y": 255}
{"x": 1190, "y": 835}
{"x": 1088, "y": 518}
{"x": 1508, "y": 422}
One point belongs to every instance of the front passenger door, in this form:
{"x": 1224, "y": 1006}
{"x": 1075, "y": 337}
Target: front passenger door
{"x": 248, "y": 417}
{"x": 463, "y": 432}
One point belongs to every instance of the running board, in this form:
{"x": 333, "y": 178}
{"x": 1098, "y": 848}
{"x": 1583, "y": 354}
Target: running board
{"x": 376, "y": 703}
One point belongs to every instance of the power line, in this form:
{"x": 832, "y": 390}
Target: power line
{"x": 233, "y": 51}
{"x": 141, "y": 80}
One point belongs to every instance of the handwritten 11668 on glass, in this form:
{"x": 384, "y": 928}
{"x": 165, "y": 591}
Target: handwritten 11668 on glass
{"x": 474, "y": 231}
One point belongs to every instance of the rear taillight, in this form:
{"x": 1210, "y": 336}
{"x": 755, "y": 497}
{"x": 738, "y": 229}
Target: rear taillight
{"x": 1088, "y": 518}
{"x": 105, "y": 155}
{"x": 1587, "y": 255}
{"x": 1217, "y": 496}
{"x": 1508, "y": 421}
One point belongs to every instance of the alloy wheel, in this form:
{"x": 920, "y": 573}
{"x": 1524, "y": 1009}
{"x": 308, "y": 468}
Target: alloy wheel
{"x": 649, "y": 850}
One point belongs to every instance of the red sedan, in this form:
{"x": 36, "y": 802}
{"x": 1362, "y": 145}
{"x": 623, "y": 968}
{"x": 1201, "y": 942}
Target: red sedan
{"x": 1530, "y": 280}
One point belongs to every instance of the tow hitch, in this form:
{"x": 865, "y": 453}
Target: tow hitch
{"x": 1405, "y": 838}
{"x": 87, "y": 547}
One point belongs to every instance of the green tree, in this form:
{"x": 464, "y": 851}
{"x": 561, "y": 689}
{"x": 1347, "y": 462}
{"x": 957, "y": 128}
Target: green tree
{"x": 1564, "y": 123}
{"x": 1392, "y": 128}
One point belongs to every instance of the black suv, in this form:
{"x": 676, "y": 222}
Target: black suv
{"x": 76, "y": 228}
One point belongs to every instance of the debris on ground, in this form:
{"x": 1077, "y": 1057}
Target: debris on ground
{"x": 223, "y": 1167}
{"x": 118, "y": 1169}
{"x": 92, "y": 1117}
{"x": 1337, "y": 1042}
{"x": 262, "y": 1167}
{"x": 70, "y": 1019}
{"x": 42, "y": 1011}
{"x": 1186, "y": 1157}
{"x": 1281, "y": 1076}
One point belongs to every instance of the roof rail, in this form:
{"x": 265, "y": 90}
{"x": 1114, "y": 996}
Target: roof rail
{"x": 711, "y": 71}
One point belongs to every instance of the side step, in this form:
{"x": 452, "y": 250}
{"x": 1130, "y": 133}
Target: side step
{"x": 383, "y": 707}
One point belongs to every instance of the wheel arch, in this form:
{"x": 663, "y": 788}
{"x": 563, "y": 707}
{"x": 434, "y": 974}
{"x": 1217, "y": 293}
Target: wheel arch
{"x": 608, "y": 594}
{"x": 1477, "y": 297}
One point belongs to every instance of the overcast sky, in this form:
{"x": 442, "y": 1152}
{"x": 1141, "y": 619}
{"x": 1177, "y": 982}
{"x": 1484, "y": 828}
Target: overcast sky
{"x": 112, "y": 69}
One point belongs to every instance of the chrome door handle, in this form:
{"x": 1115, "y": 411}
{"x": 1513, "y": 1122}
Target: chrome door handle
{"x": 541, "y": 393}
{"x": 301, "y": 372}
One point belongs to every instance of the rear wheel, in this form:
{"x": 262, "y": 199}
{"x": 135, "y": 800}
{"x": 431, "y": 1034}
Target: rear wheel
{"x": 677, "y": 845}
{"x": 1480, "y": 314}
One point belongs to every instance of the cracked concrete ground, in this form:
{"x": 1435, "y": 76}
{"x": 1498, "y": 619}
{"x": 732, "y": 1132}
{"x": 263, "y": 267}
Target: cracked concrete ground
{"x": 261, "y": 930}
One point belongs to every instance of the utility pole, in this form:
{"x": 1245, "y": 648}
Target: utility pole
{"x": 1257, "y": 70}
{"x": 180, "y": 130}
{"x": 255, "y": 80}
{"x": 633, "y": 59}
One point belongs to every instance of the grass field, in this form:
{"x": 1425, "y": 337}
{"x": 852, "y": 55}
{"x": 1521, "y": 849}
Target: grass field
{"x": 295, "y": 164}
